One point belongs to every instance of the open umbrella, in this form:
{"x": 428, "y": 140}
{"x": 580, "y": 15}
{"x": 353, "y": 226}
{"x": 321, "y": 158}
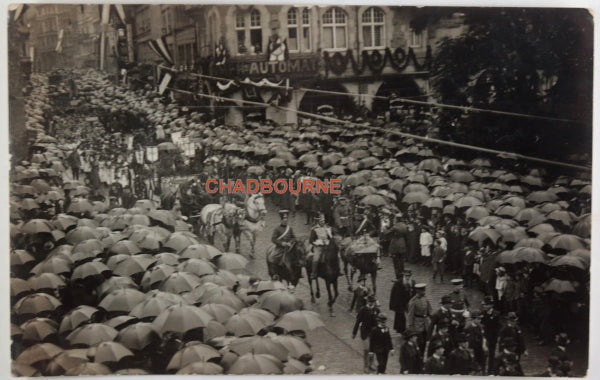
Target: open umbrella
{"x": 259, "y": 345}
{"x": 477, "y": 212}
{"x": 542, "y": 196}
{"x": 46, "y": 282}
{"x": 191, "y": 354}
{"x": 280, "y": 302}
{"x": 36, "y": 303}
{"x": 201, "y": 368}
{"x": 39, "y": 352}
{"x": 121, "y": 300}
{"x": 513, "y": 235}
{"x": 295, "y": 367}
{"x": 115, "y": 283}
{"x": 530, "y": 242}
{"x": 244, "y": 325}
{"x": 178, "y": 241}
{"x": 126, "y": 247}
{"x": 256, "y": 364}
{"x": 567, "y": 242}
{"x": 583, "y": 228}
{"x": 180, "y": 282}
{"x": 138, "y": 336}
{"x": 133, "y": 265}
{"x": 221, "y": 313}
{"x": 155, "y": 304}
{"x": 199, "y": 267}
{"x": 89, "y": 369}
{"x": 110, "y": 352}
{"x": 92, "y": 334}
{"x": 559, "y": 286}
{"x": 181, "y": 319}
{"x": 231, "y": 262}
{"x": 480, "y": 234}
{"x": 66, "y": 360}
{"x": 583, "y": 254}
{"x": 92, "y": 269}
{"x": 76, "y": 317}
{"x": 20, "y": 370}
{"x": 200, "y": 251}
{"x": 38, "y": 329}
{"x": 20, "y": 257}
{"x": 156, "y": 275}
{"x": 300, "y": 320}
{"x": 163, "y": 216}
{"x": 565, "y": 217}
{"x": 80, "y": 234}
{"x": 36, "y": 226}
{"x": 568, "y": 261}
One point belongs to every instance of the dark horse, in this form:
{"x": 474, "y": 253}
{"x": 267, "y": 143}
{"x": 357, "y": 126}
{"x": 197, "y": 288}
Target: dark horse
{"x": 289, "y": 266}
{"x": 365, "y": 263}
{"x": 328, "y": 269}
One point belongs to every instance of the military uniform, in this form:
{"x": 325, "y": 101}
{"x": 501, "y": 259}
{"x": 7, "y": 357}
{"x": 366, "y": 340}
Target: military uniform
{"x": 282, "y": 235}
{"x": 443, "y": 339}
{"x": 491, "y": 327}
{"x": 435, "y": 365}
{"x": 419, "y": 311}
{"x": 342, "y": 214}
{"x": 511, "y": 334}
{"x": 442, "y": 315}
{"x": 320, "y": 237}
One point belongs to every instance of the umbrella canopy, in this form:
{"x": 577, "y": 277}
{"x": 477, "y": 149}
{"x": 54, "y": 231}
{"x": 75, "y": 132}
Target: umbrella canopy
{"x": 245, "y": 324}
{"x": 221, "y": 313}
{"x": 121, "y": 300}
{"x": 530, "y": 242}
{"x": 542, "y": 196}
{"x": 133, "y": 265}
{"x": 259, "y": 345}
{"x": 200, "y": 251}
{"x": 92, "y": 334}
{"x": 180, "y": 282}
{"x": 39, "y": 352}
{"x": 38, "y": 329}
{"x": 568, "y": 261}
{"x": 93, "y": 269}
{"x": 295, "y": 346}
{"x": 152, "y": 306}
{"x": 110, "y": 352}
{"x": 36, "y": 303}
{"x": 178, "y": 241}
{"x": 231, "y": 262}
{"x": 191, "y": 354}
{"x": 66, "y": 360}
{"x": 559, "y": 286}
{"x": 481, "y": 234}
{"x": 256, "y": 364}
{"x": 300, "y": 320}
{"x": 295, "y": 367}
{"x": 36, "y": 226}
{"x": 567, "y": 242}
{"x": 138, "y": 336}
{"x": 156, "y": 275}
{"x": 181, "y": 319}
{"x": 80, "y": 234}
{"x": 76, "y": 317}
{"x": 89, "y": 369}
{"x": 477, "y": 212}
{"x": 280, "y": 302}
{"x": 201, "y": 368}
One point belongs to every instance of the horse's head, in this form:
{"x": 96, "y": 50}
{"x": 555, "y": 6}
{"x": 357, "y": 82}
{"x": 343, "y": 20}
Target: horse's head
{"x": 256, "y": 206}
{"x": 298, "y": 252}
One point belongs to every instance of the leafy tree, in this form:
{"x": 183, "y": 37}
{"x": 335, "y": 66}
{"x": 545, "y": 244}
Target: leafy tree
{"x": 535, "y": 61}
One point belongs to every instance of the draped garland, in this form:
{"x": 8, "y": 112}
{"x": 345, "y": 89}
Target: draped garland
{"x": 399, "y": 60}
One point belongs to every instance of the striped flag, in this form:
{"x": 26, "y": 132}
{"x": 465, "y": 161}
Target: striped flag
{"x": 160, "y": 48}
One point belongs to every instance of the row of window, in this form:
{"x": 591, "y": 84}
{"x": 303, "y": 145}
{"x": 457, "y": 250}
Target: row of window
{"x": 334, "y": 30}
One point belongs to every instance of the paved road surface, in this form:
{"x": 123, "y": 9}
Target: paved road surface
{"x": 335, "y": 352}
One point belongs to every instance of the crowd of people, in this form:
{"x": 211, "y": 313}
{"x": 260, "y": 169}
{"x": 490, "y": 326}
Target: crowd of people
{"x": 520, "y": 234}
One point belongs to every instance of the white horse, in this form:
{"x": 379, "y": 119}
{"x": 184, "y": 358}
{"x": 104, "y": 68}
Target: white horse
{"x": 254, "y": 220}
{"x": 224, "y": 220}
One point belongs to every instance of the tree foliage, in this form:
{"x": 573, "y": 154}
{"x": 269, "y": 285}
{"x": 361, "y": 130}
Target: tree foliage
{"x": 526, "y": 60}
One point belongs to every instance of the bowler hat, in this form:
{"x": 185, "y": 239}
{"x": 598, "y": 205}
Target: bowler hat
{"x": 283, "y": 213}
{"x": 436, "y": 344}
{"x": 456, "y": 281}
{"x": 410, "y": 333}
{"x": 371, "y": 298}
{"x": 381, "y": 318}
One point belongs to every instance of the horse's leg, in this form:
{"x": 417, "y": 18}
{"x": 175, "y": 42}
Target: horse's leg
{"x": 330, "y": 299}
{"x": 352, "y": 272}
{"x": 253, "y": 235}
{"x": 312, "y": 296}
{"x": 318, "y": 289}
{"x": 347, "y": 275}
{"x": 237, "y": 240}
{"x": 228, "y": 243}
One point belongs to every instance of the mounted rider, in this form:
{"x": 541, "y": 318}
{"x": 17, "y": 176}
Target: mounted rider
{"x": 320, "y": 236}
{"x": 283, "y": 236}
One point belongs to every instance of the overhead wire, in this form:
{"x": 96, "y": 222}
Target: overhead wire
{"x": 407, "y": 100}
{"x": 426, "y": 139}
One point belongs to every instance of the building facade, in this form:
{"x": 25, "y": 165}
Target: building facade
{"x": 364, "y": 51}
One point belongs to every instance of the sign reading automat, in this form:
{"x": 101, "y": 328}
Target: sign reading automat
{"x": 305, "y": 66}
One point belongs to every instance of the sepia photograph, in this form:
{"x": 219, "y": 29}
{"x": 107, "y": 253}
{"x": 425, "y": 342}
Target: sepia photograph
{"x": 278, "y": 189}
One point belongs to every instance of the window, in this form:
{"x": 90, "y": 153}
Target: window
{"x": 334, "y": 29}
{"x": 373, "y": 28}
{"x": 416, "y": 39}
{"x": 298, "y": 30}
{"x": 240, "y": 31}
{"x": 255, "y": 31}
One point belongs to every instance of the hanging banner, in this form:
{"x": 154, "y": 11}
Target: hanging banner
{"x": 164, "y": 83}
{"x": 61, "y": 33}
{"x": 139, "y": 156}
{"x": 176, "y": 137}
{"x": 105, "y": 13}
{"x": 129, "y": 141}
{"x": 226, "y": 86}
{"x": 262, "y": 83}
{"x": 152, "y": 153}
{"x": 120, "y": 12}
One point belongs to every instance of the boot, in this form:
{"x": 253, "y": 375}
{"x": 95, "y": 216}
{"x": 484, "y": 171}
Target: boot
{"x": 366, "y": 363}
{"x": 371, "y": 357}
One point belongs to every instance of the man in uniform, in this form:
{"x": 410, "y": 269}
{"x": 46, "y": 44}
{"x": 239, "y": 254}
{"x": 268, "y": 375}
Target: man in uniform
{"x": 461, "y": 360}
{"x": 475, "y": 335}
{"x": 419, "y": 312}
{"x": 342, "y": 214}
{"x": 366, "y": 319}
{"x": 402, "y": 292}
{"x": 411, "y": 359}
{"x": 491, "y": 327}
{"x": 512, "y": 332}
{"x": 458, "y": 293}
{"x": 320, "y": 236}
{"x": 436, "y": 363}
{"x": 283, "y": 236}
{"x": 380, "y": 343}
{"x": 441, "y": 336}
{"x": 442, "y": 315}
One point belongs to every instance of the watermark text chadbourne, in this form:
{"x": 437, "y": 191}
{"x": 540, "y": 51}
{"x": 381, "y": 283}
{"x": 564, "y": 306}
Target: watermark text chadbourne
{"x": 279, "y": 186}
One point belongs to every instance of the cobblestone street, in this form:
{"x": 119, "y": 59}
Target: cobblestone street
{"x": 335, "y": 352}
